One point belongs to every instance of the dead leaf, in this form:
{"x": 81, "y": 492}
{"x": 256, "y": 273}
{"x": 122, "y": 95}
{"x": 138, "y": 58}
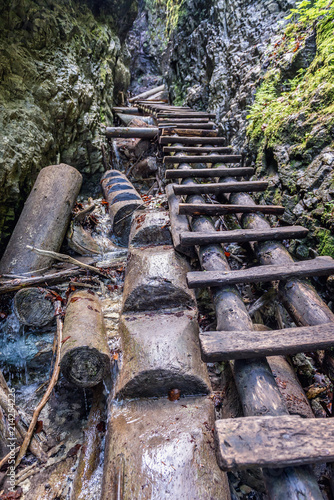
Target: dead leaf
{"x": 174, "y": 394}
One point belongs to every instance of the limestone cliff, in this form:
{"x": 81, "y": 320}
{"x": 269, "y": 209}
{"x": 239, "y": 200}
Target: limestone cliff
{"x": 61, "y": 66}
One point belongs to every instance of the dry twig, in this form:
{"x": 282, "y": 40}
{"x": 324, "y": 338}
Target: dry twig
{"x": 48, "y": 392}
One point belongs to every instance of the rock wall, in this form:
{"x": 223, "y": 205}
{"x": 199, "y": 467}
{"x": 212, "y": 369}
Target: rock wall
{"x": 61, "y": 67}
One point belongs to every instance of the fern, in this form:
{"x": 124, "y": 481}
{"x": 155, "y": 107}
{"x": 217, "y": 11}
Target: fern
{"x": 308, "y": 10}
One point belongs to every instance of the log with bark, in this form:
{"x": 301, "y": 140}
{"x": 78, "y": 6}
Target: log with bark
{"x": 85, "y": 356}
{"x": 129, "y": 132}
{"x": 148, "y": 93}
{"x": 43, "y": 221}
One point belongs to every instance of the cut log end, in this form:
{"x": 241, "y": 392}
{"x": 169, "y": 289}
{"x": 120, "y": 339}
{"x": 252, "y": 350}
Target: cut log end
{"x": 85, "y": 367}
{"x": 32, "y": 307}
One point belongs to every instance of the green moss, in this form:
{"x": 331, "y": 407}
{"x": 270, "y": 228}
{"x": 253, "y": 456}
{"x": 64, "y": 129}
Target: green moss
{"x": 326, "y": 242}
{"x": 307, "y": 98}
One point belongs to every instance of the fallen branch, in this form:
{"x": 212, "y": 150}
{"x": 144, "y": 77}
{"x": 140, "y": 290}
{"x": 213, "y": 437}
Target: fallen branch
{"x": 66, "y": 258}
{"x": 7, "y": 457}
{"x": 45, "y": 279}
{"x": 49, "y": 390}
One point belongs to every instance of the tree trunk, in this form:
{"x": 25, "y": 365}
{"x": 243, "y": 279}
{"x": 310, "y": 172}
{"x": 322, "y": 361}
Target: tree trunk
{"x": 32, "y": 307}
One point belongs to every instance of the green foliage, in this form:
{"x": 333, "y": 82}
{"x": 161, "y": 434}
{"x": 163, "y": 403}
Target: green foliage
{"x": 326, "y": 245}
{"x": 307, "y": 10}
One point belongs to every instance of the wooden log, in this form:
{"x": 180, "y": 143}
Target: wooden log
{"x": 148, "y": 93}
{"x": 273, "y": 441}
{"x": 242, "y": 236}
{"x": 162, "y": 95}
{"x": 217, "y": 209}
{"x": 222, "y": 346}
{"x": 85, "y": 355}
{"x": 126, "y": 110}
{"x": 203, "y": 159}
{"x": 43, "y": 221}
{"x": 189, "y": 125}
{"x": 123, "y": 201}
{"x": 132, "y": 132}
{"x": 89, "y": 458}
{"x": 178, "y": 223}
{"x": 132, "y": 120}
{"x": 191, "y": 140}
{"x": 167, "y": 121}
{"x": 197, "y": 150}
{"x": 209, "y": 172}
{"x": 218, "y": 188}
{"x": 321, "y": 266}
{"x": 32, "y": 307}
{"x": 190, "y": 132}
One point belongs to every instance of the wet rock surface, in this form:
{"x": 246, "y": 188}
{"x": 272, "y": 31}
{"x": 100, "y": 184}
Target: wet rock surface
{"x": 61, "y": 64}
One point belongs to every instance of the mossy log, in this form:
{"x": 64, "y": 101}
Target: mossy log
{"x": 85, "y": 356}
{"x": 43, "y": 221}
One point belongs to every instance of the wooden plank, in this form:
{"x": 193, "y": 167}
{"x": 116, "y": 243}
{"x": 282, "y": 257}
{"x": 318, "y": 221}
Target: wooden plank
{"x": 167, "y": 121}
{"x": 196, "y": 150}
{"x": 243, "y": 235}
{"x": 217, "y": 188}
{"x": 217, "y": 209}
{"x": 209, "y": 172}
{"x": 185, "y": 114}
{"x": 188, "y": 125}
{"x": 223, "y": 346}
{"x": 126, "y": 110}
{"x": 321, "y": 266}
{"x": 203, "y": 159}
{"x": 282, "y": 441}
{"x": 190, "y": 132}
{"x": 191, "y": 140}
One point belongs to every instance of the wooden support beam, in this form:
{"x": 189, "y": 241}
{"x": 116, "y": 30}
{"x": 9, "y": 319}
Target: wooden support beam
{"x": 132, "y": 132}
{"x": 321, "y": 266}
{"x": 178, "y": 223}
{"x": 223, "y": 346}
{"x": 203, "y": 159}
{"x": 197, "y": 150}
{"x": 287, "y": 440}
{"x": 168, "y": 121}
{"x": 217, "y": 188}
{"x": 126, "y": 110}
{"x": 209, "y": 172}
{"x": 242, "y": 235}
{"x": 188, "y": 132}
{"x": 217, "y": 209}
{"x": 191, "y": 140}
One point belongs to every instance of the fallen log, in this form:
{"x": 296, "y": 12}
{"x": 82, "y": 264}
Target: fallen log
{"x": 32, "y": 307}
{"x": 43, "y": 221}
{"x": 148, "y": 93}
{"x": 132, "y": 132}
{"x": 90, "y": 451}
{"x": 126, "y": 110}
{"x": 85, "y": 356}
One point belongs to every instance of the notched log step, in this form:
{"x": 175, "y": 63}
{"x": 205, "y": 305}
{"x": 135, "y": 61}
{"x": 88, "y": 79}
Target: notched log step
{"x": 203, "y": 159}
{"x": 223, "y": 346}
{"x": 282, "y": 441}
{"x": 217, "y": 188}
{"x": 217, "y": 209}
{"x": 209, "y": 172}
{"x": 243, "y": 235}
{"x": 321, "y": 266}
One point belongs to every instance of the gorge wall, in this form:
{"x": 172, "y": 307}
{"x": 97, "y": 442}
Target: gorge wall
{"x": 62, "y": 65}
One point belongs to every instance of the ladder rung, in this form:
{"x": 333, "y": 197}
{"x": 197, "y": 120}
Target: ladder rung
{"x": 321, "y": 266}
{"x": 191, "y": 140}
{"x": 197, "y": 150}
{"x": 216, "y": 188}
{"x": 283, "y": 441}
{"x": 217, "y": 209}
{"x": 190, "y": 132}
{"x": 223, "y": 346}
{"x": 243, "y": 235}
{"x": 189, "y": 125}
{"x": 203, "y": 159}
{"x": 209, "y": 172}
